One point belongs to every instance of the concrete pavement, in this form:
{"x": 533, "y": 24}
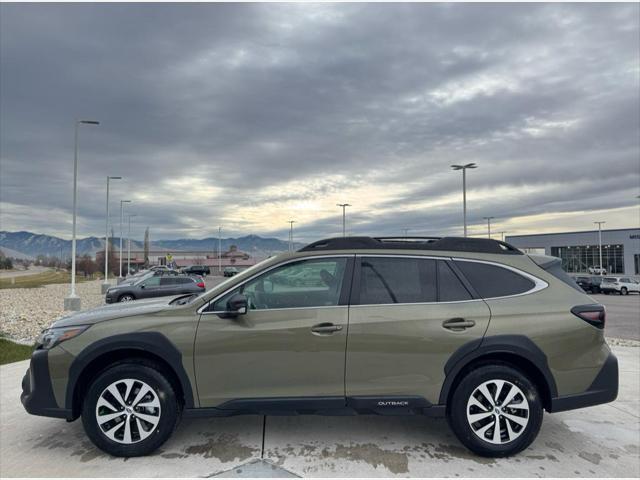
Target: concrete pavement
{"x": 599, "y": 441}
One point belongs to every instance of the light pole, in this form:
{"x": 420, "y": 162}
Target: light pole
{"x": 220, "y": 250}
{"x": 464, "y": 190}
{"x": 488, "y": 219}
{"x": 122, "y": 202}
{"x": 406, "y": 232}
{"x": 502, "y": 235}
{"x": 600, "y": 245}
{"x": 344, "y": 223}
{"x": 291, "y": 222}
{"x": 105, "y": 284}
{"x": 72, "y": 302}
{"x": 129, "y": 243}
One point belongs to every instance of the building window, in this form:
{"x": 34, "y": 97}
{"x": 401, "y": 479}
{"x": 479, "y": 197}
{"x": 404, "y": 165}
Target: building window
{"x": 578, "y": 259}
{"x": 636, "y": 263}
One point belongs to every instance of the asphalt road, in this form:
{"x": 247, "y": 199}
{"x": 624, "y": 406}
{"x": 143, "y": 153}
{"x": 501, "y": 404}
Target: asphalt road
{"x": 623, "y": 315}
{"x": 601, "y": 441}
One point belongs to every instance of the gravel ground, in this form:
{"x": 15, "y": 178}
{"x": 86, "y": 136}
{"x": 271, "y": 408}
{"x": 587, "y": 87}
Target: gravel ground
{"x": 25, "y": 312}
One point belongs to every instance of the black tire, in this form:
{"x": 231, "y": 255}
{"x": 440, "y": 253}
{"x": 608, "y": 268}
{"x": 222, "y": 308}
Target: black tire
{"x": 624, "y": 291}
{"x": 457, "y": 410}
{"x": 127, "y": 297}
{"x": 169, "y": 412}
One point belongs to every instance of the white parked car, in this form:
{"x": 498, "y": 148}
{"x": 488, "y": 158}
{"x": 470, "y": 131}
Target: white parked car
{"x": 621, "y": 285}
{"x": 597, "y": 271}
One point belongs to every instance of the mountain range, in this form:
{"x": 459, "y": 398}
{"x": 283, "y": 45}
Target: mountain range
{"x": 34, "y": 244}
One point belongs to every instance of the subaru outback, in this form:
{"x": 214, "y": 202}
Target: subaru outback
{"x": 472, "y": 330}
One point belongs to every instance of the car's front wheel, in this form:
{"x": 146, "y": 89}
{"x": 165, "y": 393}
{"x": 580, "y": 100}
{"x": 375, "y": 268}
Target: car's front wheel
{"x": 127, "y": 297}
{"x": 495, "y": 411}
{"x": 624, "y": 291}
{"x": 130, "y": 410}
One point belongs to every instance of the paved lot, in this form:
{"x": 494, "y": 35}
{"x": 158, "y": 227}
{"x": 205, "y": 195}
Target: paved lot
{"x": 600, "y": 441}
{"x": 623, "y": 315}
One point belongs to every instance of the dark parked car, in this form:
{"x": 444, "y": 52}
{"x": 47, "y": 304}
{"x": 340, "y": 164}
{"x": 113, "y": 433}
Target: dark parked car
{"x": 230, "y": 271}
{"x": 154, "y": 286}
{"x": 590, "y": 284}
{"x": 197, "y": 270}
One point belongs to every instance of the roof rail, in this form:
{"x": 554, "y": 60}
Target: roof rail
{"x": 452, "y": 244}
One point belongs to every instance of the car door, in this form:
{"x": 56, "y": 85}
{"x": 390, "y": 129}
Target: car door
{"x": 150, "y": 287}
{"x": 290, "y": 345}
{"x": 408, "y": 316}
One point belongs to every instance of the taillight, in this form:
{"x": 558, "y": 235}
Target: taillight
{"x": 595, "y": 315}
{"x": 200, "y": 284}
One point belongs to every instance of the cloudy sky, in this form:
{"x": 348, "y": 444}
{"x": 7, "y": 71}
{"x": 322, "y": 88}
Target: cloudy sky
{"x": 249, "y": 115}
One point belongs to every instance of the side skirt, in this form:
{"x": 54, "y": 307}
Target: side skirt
{"x": 333, "y": 406}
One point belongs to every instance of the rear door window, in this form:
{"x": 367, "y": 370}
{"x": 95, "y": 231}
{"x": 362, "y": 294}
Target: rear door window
{"x": 492, "y": 281}
{"x": 450, "y": 288}
{"x": 387, "y": 280}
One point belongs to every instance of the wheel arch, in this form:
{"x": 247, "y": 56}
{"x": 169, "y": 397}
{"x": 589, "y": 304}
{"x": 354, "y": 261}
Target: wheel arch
{"x": 516, "y": 350}
{"x": 147, "y": 347}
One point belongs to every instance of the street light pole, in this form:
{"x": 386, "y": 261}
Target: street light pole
{"x": 122, "y": 202}
{"x": 464, "y": 190}
{"x": 600, "y": 245}
{"x": 291, "y": 222}
{"x": 488, "y": 219}
{"x": 129, "y": 244}
{"x": 105, "y": 284}
{"x": 220, "y": 250}
{"x": 344, "y": 223}
{"x": 72, "y": 302}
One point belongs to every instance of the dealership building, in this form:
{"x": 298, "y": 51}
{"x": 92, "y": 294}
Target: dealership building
{"x": 580, "y": 250}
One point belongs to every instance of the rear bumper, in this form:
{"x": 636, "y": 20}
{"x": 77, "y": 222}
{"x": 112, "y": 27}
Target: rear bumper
{"x": 37, "y": 394}
{"x": 604, "y": 389}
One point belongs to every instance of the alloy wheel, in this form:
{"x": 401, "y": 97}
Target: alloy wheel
{"x": 128, "y": 411}
{"x": 498, "y": 411}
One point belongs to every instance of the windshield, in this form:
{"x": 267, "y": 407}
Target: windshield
{"x": 138, "y": 281}
{"x": 246, "y": 272}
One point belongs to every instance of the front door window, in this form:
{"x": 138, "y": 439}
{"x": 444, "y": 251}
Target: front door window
{"x": 303, "y": 284}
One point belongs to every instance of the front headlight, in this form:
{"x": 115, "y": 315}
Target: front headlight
{"x": 54, "y": 336}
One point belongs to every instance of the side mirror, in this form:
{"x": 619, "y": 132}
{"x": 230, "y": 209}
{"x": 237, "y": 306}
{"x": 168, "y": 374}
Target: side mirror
{"x": 237, "y": 305}
{"x": 142, "y": 286}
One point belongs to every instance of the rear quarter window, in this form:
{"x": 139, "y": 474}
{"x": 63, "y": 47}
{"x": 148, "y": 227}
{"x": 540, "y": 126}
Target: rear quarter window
{"x": 492, "y": 281}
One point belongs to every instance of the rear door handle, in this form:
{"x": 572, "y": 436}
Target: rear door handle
{"x": 325, "y": 328}
{"x": 458, "y": 324}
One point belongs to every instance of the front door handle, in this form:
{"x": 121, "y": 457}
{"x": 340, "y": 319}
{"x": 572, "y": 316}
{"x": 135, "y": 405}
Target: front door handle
{"x": 458, "y": 324}
{"x": 325, "y": 328}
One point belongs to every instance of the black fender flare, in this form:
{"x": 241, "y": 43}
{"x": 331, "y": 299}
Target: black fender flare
{"x": 149, "y": 342}
{"x": 518, "y": 345}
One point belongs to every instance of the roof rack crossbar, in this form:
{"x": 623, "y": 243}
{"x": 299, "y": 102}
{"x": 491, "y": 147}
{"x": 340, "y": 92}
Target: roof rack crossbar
{"x": 453, "y": 244}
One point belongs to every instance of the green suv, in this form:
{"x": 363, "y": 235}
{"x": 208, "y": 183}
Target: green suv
{"x": 470, "y": 329}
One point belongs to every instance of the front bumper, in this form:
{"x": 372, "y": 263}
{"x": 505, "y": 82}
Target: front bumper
{"x": 37, "y": 393}
{"x": 604, "y": 389}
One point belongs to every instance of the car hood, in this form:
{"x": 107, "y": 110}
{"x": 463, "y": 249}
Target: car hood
{"x": 116, "y": 310}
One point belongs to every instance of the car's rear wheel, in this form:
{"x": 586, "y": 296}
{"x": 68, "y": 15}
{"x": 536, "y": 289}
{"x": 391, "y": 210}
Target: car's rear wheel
{"x": 127, "y": 297}
{"x": 130, "y": 410}
{"x": 495, "y": 411}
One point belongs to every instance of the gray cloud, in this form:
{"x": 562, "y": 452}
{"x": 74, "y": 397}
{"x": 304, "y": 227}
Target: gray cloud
{"x": 250, "y": 100}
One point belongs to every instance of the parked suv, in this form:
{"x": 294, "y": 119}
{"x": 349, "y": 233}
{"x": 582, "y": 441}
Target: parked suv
{"x": 154, "y": 285}
{"x": 621, "y": 285}
{"x": 590, "y": 284}
{"x": 470, "y": 329}
{"x": 202, "y": 270}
